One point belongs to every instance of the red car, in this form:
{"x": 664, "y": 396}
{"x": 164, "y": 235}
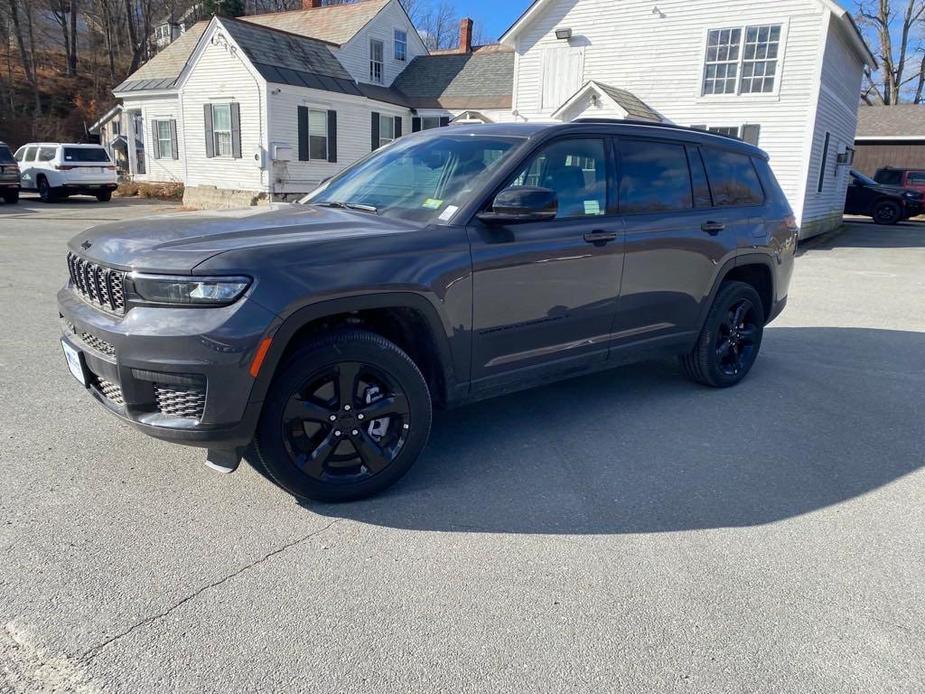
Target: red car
{"x": 905, "y": 178}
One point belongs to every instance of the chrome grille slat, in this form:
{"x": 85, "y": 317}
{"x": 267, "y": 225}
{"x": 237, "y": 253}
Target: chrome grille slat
{"x": 180, "y": 401}
{"x": 101, "y": 286}
{"x": 110, "y": 391}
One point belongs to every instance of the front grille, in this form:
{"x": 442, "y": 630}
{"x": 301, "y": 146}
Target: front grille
{"x": 99, "y": 344}
{"x": 99, "y": 285}
{"x": 110, "y": 391}
{"x": 180, "y": 400}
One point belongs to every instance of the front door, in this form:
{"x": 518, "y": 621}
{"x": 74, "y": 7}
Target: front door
{"x": 545, "y": 293}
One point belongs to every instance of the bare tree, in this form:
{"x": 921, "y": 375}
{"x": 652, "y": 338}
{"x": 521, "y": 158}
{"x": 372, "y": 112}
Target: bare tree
{"x": 437, "y": 24}
{"x": 895, "y": 24}
{"x": 22, "y": 27}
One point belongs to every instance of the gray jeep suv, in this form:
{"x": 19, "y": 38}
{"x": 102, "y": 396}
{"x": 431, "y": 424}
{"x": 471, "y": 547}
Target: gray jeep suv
{"x": 452, "y": 265}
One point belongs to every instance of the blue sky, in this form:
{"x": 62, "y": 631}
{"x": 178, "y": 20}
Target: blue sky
{"x": 498, "y": 15}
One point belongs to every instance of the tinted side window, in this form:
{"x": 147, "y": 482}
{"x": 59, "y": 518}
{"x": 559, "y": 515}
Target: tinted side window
{"x": 576, "y": 170}
{"x": 733, "y": 178}
{"x": 47, "y": 153}
{"x": 699, "y": 179}
{"x": 890, "y": 178}
{"x": 30, "y": 154}
{"x": 91, "y": 153}
{"x": 654, "y": 177}
{"x": 916, "y": 178}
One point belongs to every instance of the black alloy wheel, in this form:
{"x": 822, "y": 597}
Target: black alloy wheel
{"x": 347, "y": 415}
{"x": 730, "y": 340}
{"x": 887, "y": 212}
{"x": 347, "y": 423}
{"x": 736, "y": 339}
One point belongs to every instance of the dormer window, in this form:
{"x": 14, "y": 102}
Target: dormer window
{"x": 401, "y": 45}
{"x": 376, "y": 53}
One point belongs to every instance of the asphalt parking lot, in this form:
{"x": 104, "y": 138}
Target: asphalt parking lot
{"x": 627, "y": 532}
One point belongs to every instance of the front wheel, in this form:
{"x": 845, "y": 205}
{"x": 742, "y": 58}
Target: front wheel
{"x": 347, "y": 416}
{"x": 887, "y": 212}
{"x": 731, "y": 337}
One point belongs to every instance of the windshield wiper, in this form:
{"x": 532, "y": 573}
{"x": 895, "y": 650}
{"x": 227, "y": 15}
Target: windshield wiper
{"x": 348, "y": 206}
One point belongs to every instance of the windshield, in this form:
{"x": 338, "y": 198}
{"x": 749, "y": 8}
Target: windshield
{"x": 864, "y": 179}
{"x": 85, "y": 154}
{"x": 418, "y": 179}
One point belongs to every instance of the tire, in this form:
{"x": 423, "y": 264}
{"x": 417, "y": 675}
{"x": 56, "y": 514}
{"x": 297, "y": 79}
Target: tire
{"x": 11, "y": 197}
{"x": 46, "y": 192}
{"x": 104, "y": 196}
{"x": 312, "y": 457}
{"x": 887, "y": 212}
{"x": 729, "y": 343}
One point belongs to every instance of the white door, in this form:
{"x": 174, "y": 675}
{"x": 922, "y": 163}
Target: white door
{"x": 562, "y": 75}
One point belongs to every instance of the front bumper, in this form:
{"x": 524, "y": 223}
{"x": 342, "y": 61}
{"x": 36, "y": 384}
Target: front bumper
{"x": 178, "y": 374}
{"x": 913, "y": 208}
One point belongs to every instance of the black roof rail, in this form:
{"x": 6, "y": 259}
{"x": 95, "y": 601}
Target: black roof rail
{"x": 655, "y": 124}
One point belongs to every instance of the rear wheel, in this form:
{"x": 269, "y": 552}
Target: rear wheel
{"x": 730, "y": 340}
{"x": 104, "y": 196}
{"x": 346, "y": 417}
{"x": 887, "y": 212}
{"x": 11, "y": 197}
{"x": 46, "y": 193}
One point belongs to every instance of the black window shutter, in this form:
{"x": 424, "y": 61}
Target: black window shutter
{"x": 415, "y": 124}
{"x": 332, "y": 136}
{"x": 751, "y": 133}
{"x": 235, "y": 129}
{"x": 154, "y": 141}
{"x": 302, "y": 117}
{"x": 210, "y": 138}
{"x": 397, "y": 127}
{"x": 374, "y": 130}
{"x": 444, "y": 121}
{"x": 174, "y": 149}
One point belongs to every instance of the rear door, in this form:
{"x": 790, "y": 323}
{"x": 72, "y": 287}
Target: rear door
{"x": 545, "y": 293}
{"x": 675, "y": 241}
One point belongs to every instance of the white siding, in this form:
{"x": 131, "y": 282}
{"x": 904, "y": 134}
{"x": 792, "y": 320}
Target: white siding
{"x": 619, "y": 50}
{"x": 354, "y": 55}
{"x": 221, "y": 75}
{"x": 354, "y": 133}
{"x": 158, "y": 108}
{"x": 837, "y": 114}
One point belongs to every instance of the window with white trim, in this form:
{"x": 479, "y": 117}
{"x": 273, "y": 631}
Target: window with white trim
{"x": 386, "y": 129}
{"x": 376, "y": 52}
{"x": 221, "y": 129}
{"x": 164, "y": 147}
{"x": 732, "y": 66}
{"x": 401, "y": 45}
{"x": 430, "y": 122}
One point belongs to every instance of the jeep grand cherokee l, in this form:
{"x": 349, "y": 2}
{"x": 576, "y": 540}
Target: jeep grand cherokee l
{"x": 448, "y": 266}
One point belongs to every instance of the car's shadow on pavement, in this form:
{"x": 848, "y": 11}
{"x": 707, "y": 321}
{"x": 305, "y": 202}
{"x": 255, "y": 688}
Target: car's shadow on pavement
{"x": 828, "y": 414}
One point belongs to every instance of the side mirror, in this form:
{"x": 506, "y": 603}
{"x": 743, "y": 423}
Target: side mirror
{"x": 519, "y": 204}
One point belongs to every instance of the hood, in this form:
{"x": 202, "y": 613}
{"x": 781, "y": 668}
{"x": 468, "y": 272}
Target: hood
{"x": 896, "y": 190}
{"x": 178, "y": 242}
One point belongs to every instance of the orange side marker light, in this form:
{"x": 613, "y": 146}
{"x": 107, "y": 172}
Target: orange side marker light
{"x": 261, "y": 354}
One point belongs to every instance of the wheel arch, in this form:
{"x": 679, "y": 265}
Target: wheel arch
{"x": 756, "y": 269}
{"x": 405, "y": 318}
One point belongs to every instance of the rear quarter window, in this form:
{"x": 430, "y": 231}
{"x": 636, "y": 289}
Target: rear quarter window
{"x": 85, "y": 154}
{"x": 733, "y": 178}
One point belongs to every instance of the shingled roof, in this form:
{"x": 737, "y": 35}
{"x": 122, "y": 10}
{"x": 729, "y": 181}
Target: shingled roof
{"x": 884, "y": 122}
{"x": 481, "y": 79}
{"x": 335, "y": 24}
{"x": 635, "y": 107}
{"x": 162, "y": 71}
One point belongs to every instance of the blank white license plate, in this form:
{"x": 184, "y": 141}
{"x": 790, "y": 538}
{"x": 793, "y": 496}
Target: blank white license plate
{"x": 73, "y": 362}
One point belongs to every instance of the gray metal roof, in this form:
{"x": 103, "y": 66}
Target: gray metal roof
{"x": 162, "y": 71}
{"x": 481, "y": 79}
{"x": 285, "y": 58}
{"x": 635, "y": 107}
{"x": 901, "y": 120}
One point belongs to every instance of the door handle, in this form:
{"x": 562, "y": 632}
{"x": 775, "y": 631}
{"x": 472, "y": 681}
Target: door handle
{"x": 712, "y": 228}
{"x": 600, "y": 238}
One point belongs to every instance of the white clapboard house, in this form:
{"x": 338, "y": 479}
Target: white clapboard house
{"x": 267, "y": 106}
{"x": 785, "y": 75}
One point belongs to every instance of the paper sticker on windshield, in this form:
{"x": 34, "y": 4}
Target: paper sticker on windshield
{"x": 592, "y": 207}
{"x": 447, "y": 213}
{"x": 432, "y": 204}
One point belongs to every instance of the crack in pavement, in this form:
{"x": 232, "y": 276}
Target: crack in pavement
{"x": 91, "y": 653}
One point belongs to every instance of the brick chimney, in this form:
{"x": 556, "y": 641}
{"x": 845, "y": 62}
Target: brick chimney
{"x": 465, "y": 36}
{"x": 308, "y": 4}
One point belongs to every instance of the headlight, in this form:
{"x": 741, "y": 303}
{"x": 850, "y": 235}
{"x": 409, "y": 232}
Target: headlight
{"x": 912, "y": 195}
{"x": 188, "y": 291}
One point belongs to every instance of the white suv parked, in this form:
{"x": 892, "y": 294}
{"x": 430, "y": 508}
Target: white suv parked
{"x": 57, "y": 170}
